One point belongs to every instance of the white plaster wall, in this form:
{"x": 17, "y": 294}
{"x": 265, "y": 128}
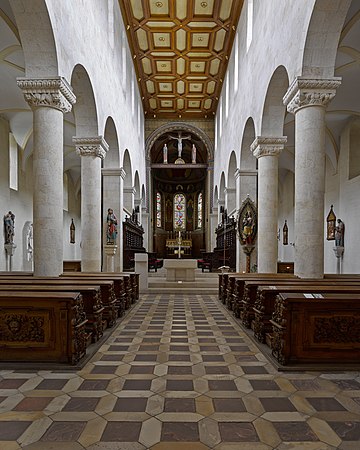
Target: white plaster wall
{"x": 286, "y": 212}
{"x": 19, "y": 202}
{"x": 344, "y": 195}
{"x": 88, "y": 21}
{"x": 279, "y": 33}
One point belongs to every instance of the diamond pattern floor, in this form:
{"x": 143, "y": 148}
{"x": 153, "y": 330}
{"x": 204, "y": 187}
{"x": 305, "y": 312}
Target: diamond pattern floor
{"x": 179, "y": 373}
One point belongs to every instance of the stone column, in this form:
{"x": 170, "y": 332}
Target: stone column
{"x": 267, "y": 151}
{"x": 129, "y": 198}
{"x": 230, "y": 199}
{"x": 49, "y": 98}
{"x": 113, "y": 182}
{"x": 307, "y": 99}
{"x": 92, "y": 151}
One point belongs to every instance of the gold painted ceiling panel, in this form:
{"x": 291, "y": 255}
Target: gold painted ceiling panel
{"x": 180, "y": 50}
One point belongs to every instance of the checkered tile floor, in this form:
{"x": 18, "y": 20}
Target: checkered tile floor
{"x": 178, "y": 373}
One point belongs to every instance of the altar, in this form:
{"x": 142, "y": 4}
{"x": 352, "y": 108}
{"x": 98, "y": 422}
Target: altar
{"x": 180, "y": 269}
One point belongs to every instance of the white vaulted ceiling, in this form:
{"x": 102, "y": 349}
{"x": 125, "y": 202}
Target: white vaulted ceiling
{"x": 181, "y": 50}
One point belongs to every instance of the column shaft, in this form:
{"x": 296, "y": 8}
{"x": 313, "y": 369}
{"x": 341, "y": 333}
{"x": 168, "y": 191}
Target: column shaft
{"x": 267, "y": 214}
{"x": 309, "y": 191}
{"x": 90, "y": 214}
{"x": 48, "y": 191}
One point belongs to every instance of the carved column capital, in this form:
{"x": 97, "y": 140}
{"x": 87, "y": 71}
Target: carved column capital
{"x": 268, "y": 146}
{"x": 305, "y": 92}
{"x": 91, "y": 146}
{"x": 52, "y": 92}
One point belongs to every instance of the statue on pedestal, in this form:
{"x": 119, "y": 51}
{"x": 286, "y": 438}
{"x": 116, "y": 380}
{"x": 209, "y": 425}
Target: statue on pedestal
{"x": 9, "y": 227}
{"x": 339, "y": 233}
{"x": 111, "y": 232}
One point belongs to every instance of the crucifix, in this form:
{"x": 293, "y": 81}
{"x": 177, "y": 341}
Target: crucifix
{"x": 179, "y": 138}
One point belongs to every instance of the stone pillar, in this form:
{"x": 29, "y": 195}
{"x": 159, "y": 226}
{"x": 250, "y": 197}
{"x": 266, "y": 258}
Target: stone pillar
{"x": 230, "y": 199}
{"x": 210, "y": 217}
{"x": 49, "y": 98}
{"x": 92, "y": 151}
{"x": 238, "y": 203}
{"x": 267, "y": 151}
{"x": 307, "y": 99}
{"x": 113, "y": 182}
{"x": 129, "y": 198}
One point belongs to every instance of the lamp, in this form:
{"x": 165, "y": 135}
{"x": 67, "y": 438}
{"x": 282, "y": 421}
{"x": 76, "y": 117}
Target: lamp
{"x": 330, "y": 225}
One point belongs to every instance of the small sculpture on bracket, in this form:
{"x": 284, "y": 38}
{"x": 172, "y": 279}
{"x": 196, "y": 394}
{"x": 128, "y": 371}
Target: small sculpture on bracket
{"x": 339, "y": 233}
{"x": 165, "y": 154}
{"x": 285, "y": 234}
{"x": 9, "y": 227}
{"x": 72, "y": 232}
{"x": 111, "y": 231}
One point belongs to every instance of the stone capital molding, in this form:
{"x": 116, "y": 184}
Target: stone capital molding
{"x": 229, "y": 190}
{"x": 52, "y": 92}
{"x": 91, "y": 146}
{"x": 113, "y": 172}
{"x": 268, "y": 146}
{"x": 245, "y": 173}
{"x": 305, "y": 92}
{"x": 130, "y": 190}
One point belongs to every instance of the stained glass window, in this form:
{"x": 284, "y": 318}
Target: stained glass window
{"x": 200, "y": 210}
{"x": 158, "y": 210}
{"x": 179, "y": 212}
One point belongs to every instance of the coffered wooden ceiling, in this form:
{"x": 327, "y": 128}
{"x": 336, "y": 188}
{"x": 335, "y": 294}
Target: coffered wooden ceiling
{"x": 181, "y": 50}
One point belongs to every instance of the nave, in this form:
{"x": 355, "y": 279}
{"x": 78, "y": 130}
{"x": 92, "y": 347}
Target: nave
{"x": 178, "y": 372}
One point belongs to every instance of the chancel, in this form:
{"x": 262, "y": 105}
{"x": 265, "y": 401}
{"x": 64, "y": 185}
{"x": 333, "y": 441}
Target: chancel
{"x": 179, "y": 187}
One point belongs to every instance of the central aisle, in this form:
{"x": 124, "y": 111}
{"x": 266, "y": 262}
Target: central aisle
{"x": 178, "y": 373}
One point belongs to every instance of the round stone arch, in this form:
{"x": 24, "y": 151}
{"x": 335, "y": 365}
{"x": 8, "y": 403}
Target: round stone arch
{"x": 231, "y": 184}
{"x": 112, "y": 159}
{"x": 322, "y": 39}
{"x": 272, "y": 122}
{"x": 85, "y": 111}
{"x": 180, "y": 126}
{"x": 37, "y": 38}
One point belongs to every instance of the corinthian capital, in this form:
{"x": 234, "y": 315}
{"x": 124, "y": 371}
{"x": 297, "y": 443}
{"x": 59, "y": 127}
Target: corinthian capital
{"x": 268, "y": 146}
{"x": 91, "y": 146}
{"x": 53, "y": 92}
{"x": 310, "y": 92}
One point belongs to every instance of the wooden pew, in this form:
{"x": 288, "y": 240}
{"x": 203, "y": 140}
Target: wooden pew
{"x": 236, "y": 295}
{"x": 266, "y": 296}
{"x": 106, "y": 288}
{"x": 42, "y": 326}
{"x": 123, "y": 285}
{"x": 316, "y": 330}
{"x": 91, "y": 295}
